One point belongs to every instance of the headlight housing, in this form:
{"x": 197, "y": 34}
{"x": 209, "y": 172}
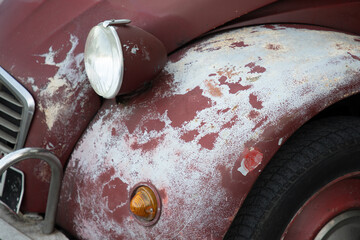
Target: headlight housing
{"x": 120, "y": 58}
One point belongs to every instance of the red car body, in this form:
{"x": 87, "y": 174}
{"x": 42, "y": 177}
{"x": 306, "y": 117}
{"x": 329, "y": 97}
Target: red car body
{"x": 204, "y": 131}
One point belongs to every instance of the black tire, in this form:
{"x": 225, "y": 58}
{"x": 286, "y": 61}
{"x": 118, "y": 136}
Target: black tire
{"x": 318, "y": 153}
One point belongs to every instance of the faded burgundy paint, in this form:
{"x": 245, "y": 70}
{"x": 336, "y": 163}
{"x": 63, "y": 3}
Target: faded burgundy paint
{"x": 194, "y": 158}
{"x": 141, "y": 50}
{"x": 336, "y": 14}
{"x": 42, "y": 44}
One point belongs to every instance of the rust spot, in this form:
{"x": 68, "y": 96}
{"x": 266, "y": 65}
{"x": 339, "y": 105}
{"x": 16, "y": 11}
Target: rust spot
{"x": 153, "y": 124}
{"x": 273, "y": 47}
{"x": 253, "y": 114}
{"x": 230, "y": 123}
{"x": 213, "y": 90}
{"x": 189, "y": 136}
{"x": 183, "y": 108}
{"x": 354, "y": 57}
{"x": 255, "y": 102}
{"x": 260, "y": 123}
{"x": 115, "y": 193}
{"x": 227, "y": 72}
{"x": 148, "y": 146}
{"x": 255, "y": 68}
{"x": 208, "y": 140}
{"x": 238, "y": 45}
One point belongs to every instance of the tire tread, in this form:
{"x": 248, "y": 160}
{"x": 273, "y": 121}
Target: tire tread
{"x": 304, "y": 149}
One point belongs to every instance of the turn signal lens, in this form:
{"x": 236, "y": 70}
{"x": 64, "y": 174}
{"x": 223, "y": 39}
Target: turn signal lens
{"x": 144, "y": 204}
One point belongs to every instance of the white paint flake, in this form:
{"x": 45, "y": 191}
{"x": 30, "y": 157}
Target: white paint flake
{"x": 32, "y": 83}
{"x": 134, "y": 49}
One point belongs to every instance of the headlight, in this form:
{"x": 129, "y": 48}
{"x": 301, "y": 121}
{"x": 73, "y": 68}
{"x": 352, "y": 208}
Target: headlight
{"x": 120, "y": 58}
{"x": 104, "y": 62}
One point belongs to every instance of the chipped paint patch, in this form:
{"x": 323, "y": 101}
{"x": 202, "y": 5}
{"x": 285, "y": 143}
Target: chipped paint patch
{"x": 252, "y": 159}
{"x": 205, "y": 150}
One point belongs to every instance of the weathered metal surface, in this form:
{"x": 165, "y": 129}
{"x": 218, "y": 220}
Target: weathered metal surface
{"x": 42, "y": 43}
{"x": 203, "y": 133}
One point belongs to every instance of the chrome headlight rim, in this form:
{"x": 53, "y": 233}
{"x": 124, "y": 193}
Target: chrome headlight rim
{"x": 105, "y": 87}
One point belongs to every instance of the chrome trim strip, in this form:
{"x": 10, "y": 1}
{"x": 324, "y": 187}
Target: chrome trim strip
{"x": 121, "y": 54}
{"x": 55, "y": 182}
{"x": 27, "y": 101}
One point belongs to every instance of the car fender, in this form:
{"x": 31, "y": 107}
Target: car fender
{"x": 203, "y": 133}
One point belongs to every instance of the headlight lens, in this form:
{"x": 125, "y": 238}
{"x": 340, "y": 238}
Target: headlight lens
{"x": 104, "y": 61}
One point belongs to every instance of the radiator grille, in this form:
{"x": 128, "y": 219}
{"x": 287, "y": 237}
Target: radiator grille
{"x": 16, "y": 111}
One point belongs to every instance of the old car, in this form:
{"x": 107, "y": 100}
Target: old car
{"x": 182, "y": 119}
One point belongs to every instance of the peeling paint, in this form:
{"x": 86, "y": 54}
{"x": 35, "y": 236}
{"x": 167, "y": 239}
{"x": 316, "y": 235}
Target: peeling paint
{"x": 69, "y": 77}
{"x": 202, "y": 148}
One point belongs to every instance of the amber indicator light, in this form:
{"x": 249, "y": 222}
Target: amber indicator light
{"x": 144, "y": 204}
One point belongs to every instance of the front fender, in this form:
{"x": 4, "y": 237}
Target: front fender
{"x": 212, "y": 121}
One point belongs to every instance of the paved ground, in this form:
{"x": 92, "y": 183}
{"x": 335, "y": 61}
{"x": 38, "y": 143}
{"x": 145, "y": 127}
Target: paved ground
{"x": 24, "y": 227}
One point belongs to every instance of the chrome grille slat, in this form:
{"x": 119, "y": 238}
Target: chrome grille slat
{"x": 7, "y": 137}
{"x": 4, "y": 148}
{"x": 10, "y": 99}
{"x": 9, "y": 125}
{"x": 10, "y": 112}
{"x": 16, "y": 110}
